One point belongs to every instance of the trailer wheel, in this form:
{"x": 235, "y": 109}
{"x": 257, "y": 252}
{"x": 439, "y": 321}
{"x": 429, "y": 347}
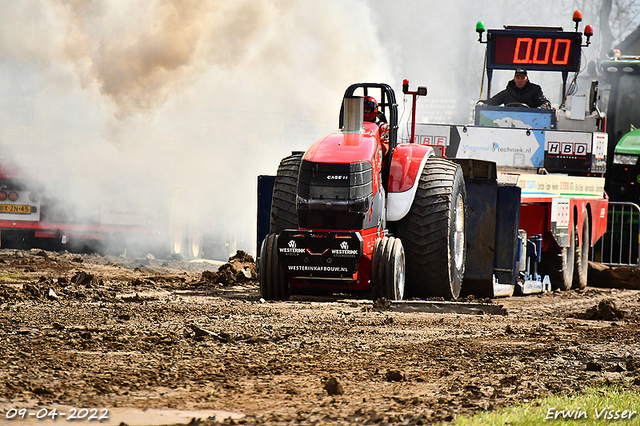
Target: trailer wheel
{"x": 283, "y": 204}
{"x": 559, "y": 264}
{"x": 433, "y": 232}
{"x": 581, "y": 268}
{"x": 273, "y": 282}
{"x": 388, "y": 277}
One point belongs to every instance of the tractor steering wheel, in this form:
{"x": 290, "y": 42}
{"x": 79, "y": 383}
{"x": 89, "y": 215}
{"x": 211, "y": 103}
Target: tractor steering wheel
{"x": 517, "y": 104}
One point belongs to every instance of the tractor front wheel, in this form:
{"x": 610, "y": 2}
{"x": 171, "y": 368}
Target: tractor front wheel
{"x": 273, "y": 282}
{"x": 387, "y": 269}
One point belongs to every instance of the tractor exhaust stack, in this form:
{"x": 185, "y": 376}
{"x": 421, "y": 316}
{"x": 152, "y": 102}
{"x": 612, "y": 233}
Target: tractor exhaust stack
{"x": 353, "y": 117}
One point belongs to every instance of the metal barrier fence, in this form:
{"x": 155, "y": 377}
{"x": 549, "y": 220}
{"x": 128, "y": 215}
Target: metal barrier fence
{"x": 620, "y": 245}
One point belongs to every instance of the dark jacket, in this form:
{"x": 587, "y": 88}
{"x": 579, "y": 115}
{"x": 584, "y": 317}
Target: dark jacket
{"x": 531, "y": 94}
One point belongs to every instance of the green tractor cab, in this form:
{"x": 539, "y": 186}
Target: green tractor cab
{"x": 625, "y": 174}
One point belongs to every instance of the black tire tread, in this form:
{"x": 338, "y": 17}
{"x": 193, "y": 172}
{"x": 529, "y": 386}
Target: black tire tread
{"x": 273, "y": 284}
{"x": 425, "y": 230}
{"x": 283, "y": 203}
{"x": 383, "y": 279}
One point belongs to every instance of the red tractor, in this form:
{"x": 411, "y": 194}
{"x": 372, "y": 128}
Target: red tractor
{"x": 346, "y": 218}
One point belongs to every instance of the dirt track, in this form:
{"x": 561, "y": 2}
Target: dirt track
{"x": 105, "y": 332}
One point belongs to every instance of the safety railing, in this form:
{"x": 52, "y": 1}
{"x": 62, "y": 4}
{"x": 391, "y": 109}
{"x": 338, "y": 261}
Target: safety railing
{"x": 620, "y": 245}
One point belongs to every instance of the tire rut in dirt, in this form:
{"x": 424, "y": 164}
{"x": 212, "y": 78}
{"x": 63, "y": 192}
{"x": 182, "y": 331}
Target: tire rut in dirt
{"x": 433, "y": 232}
{"x": 283, "y": 204}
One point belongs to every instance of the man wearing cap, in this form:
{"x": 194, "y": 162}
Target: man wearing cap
{"x": 521, "y": 90}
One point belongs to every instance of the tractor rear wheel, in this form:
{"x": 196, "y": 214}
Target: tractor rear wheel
{"x": 558, "y": 264}
{"x": 581, "y": 267}
{"x": 433, "y": 232}
{"x": 273, "y": 282}
{"x": 283, "y": 204}
{"x": 387, "y": 269}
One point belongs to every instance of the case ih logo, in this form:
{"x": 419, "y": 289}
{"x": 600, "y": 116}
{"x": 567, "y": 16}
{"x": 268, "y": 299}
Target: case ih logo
{"x": 337, "y": 177}
{"x": 567, "y": 149}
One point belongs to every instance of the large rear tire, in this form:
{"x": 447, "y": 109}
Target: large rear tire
{"x": 283, "y": 204}
{"x": 581, "y": 268}
{"x": 433, "y": 232}
{"x": 388, "y": 275}
{"x": 273, "y": 282}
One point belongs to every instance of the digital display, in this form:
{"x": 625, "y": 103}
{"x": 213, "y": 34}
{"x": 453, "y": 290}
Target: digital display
{"x": 534, "y": 50}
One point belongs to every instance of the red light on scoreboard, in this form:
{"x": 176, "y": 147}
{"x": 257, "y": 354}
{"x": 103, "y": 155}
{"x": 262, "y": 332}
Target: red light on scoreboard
{"x": 548, "y": 50}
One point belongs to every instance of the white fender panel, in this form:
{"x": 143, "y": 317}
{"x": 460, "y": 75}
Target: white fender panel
{"x": 399, "y": 203}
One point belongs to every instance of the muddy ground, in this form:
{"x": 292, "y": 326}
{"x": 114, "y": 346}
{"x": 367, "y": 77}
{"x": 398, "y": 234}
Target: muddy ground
{"x": 166, "y": 336}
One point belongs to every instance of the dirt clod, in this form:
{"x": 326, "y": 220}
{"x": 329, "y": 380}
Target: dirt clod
{"x": 605, "y": 310}
{"x": 240, "y": 269}
{"x": 394, "y": 376}
{"x": 333, "y": 386}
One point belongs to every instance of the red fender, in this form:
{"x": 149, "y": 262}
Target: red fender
{"x": 406, "y": 167}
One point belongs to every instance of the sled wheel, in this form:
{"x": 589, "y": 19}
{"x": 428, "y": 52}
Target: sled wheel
{"x": 433, "y": 232}
{"x": 559, "y": 264}
{"x": 387, "y": 268}
{"x": 283, "y": 204}
{"x": 581, "y": 267}
{"x": 273, "y": 282}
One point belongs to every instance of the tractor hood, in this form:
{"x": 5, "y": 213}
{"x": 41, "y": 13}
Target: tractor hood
{"x": 629, "y": 144}
{"x": 345, "y": 147}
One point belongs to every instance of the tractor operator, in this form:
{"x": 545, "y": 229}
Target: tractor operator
{"x": 372, "y": 115}
{"x": 521, "y": 91}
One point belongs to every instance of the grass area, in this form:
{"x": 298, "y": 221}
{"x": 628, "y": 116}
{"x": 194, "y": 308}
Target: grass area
{"x": 595, "y": 406}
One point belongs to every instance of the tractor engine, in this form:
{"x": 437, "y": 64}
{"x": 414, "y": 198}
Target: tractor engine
{"x": 335, "y": 195}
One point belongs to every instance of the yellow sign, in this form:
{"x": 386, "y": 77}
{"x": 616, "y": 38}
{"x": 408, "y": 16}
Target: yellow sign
{"x": 560, "y": 185}
{"x": 15, "y": 208}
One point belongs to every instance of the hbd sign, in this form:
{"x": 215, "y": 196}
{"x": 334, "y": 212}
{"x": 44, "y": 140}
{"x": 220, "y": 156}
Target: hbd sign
{"x": 578, "y": 149}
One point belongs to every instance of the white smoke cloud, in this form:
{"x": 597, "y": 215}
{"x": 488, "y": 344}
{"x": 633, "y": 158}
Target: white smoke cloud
{"x": 148, "y": 98}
